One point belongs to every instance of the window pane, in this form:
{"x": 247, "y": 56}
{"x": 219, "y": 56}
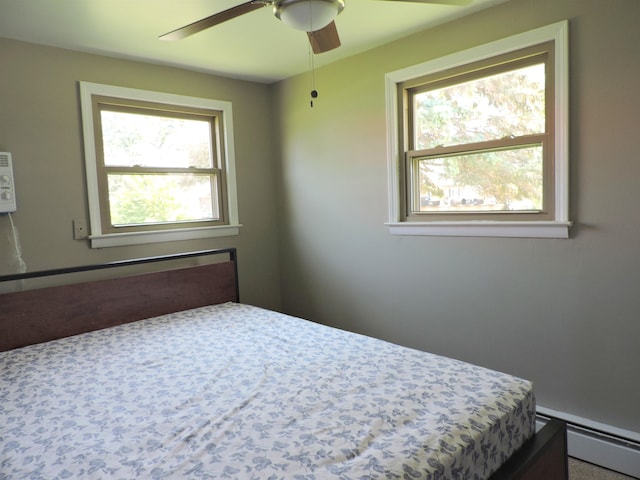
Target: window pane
{"x": 490, "y": 108}
{"x": 147, "y": 199}
{"x": 134, "y": 139}
{"x": 504, "y": 180}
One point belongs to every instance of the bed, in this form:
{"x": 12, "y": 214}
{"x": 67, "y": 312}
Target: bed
{"x": 165, "y": 374}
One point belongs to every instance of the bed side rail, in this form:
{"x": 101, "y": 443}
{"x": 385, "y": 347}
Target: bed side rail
{"x": 542, "y": 457}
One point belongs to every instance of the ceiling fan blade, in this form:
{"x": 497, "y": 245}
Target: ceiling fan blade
{"x": 215, "y": 19}
{"x": 324, "y": 39}
{"x": 436, "y": 2}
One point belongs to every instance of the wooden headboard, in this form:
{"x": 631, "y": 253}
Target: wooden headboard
{"x": 43, "y": 314}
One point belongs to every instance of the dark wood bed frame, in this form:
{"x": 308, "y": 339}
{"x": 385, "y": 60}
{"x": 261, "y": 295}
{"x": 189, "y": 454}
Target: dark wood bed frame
{"x": 42, "y": 314}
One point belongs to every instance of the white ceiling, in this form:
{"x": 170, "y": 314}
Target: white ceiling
{"x": 256, "y": 46}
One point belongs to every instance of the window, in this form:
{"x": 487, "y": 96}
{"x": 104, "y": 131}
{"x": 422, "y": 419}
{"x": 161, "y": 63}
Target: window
{"x": 159, "y": 167}
{"x": 478, "y": 141}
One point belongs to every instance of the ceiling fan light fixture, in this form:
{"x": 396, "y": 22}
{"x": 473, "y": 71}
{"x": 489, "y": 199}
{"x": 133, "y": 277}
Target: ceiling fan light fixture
{"x": 307, "y": 15}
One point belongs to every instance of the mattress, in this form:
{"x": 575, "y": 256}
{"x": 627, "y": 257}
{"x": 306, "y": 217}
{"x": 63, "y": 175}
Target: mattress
{"x": 233, "y": 391}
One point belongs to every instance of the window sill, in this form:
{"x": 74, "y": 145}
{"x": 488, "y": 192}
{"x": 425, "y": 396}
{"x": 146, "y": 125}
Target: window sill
{"x": 482, "y": 229}
{"x": 138, "y": 238}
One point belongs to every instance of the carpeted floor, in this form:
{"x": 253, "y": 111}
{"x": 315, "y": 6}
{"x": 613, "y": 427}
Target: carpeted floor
{"x": 585, "y": 471}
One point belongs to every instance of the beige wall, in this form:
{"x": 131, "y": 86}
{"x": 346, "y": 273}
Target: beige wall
{"x": 564, "y": 313}
{"x": 40, "y": 125}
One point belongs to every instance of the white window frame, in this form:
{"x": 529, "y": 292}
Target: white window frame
{"x": 560, "y": 225}
{"x": 98, "y": 238}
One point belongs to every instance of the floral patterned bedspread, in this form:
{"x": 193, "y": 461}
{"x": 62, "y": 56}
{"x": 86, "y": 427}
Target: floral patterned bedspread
{"x": 237, "y": 392}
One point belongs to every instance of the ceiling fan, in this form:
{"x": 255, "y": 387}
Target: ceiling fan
{"x": 312, "y": 16}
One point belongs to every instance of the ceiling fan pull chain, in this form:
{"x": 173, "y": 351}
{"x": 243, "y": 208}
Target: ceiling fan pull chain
{"x": 311, "y": 29}
{"x": 314, "y": 92}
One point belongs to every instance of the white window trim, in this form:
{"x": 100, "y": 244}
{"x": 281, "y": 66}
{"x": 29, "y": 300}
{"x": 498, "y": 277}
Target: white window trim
{"x": 98, "y": 238}
{"x": 559, "y": 227}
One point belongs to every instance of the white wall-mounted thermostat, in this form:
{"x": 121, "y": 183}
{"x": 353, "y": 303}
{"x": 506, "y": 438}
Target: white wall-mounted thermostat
{"x": 7, "y": 188}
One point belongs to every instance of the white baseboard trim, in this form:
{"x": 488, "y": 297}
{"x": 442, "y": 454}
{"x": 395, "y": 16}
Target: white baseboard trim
{"x": 603, "y": 445}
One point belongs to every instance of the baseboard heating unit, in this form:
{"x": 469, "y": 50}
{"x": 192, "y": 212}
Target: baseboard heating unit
{"x": 603, "y": 445}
